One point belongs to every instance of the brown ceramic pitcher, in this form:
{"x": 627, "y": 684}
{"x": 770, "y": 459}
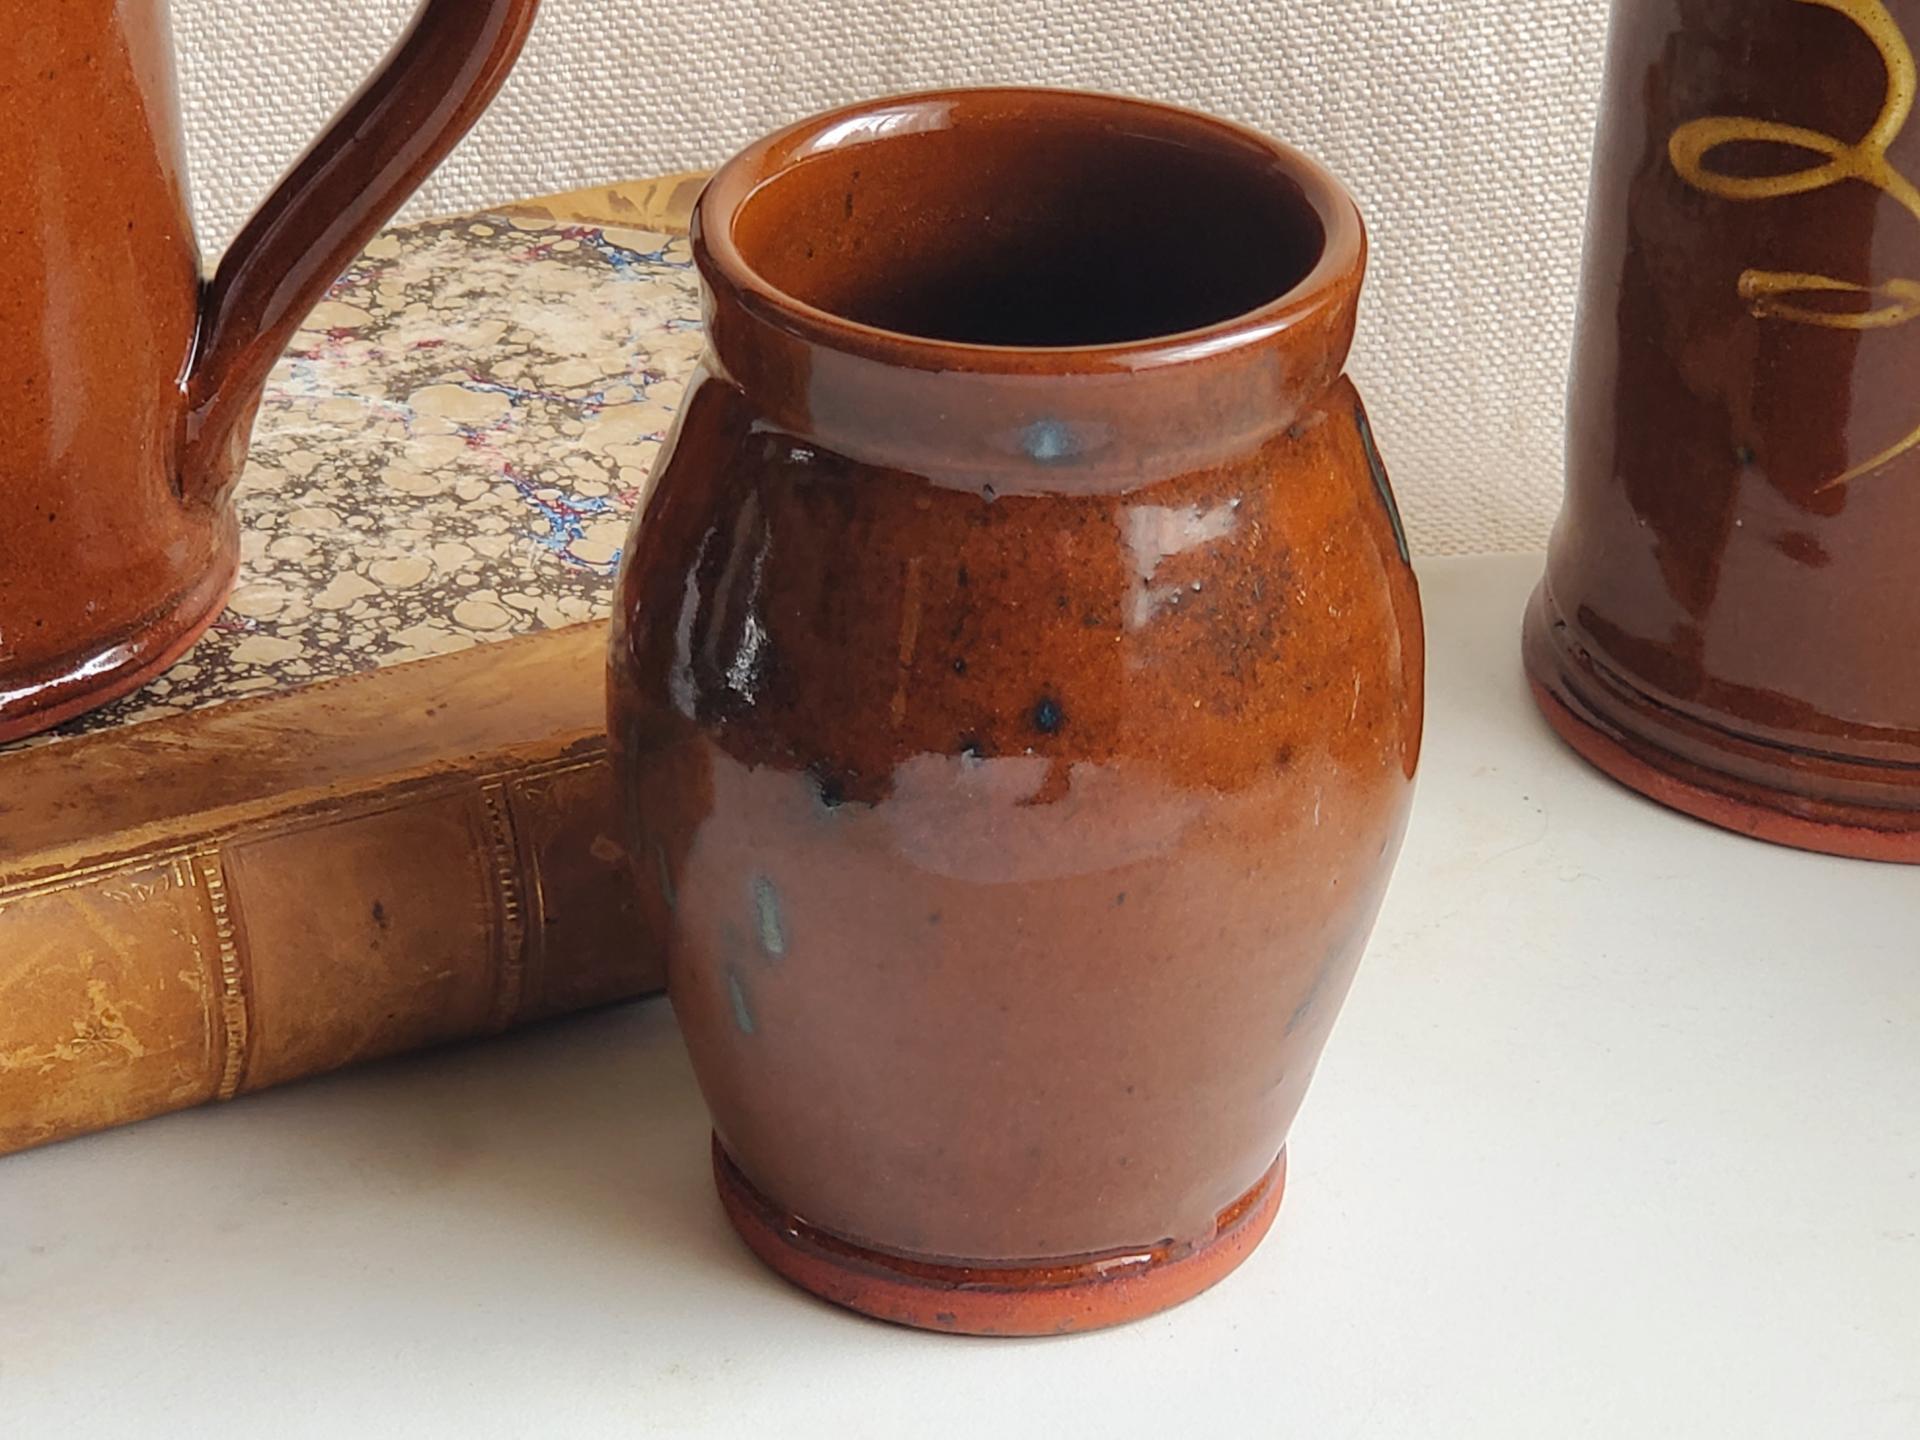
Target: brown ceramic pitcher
{"x": 1016, "y": 682}
{"x": 127, "y": 387}
{"x": 1730, "y": 619}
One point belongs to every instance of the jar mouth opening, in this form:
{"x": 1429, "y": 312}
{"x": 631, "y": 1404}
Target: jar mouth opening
{"x": 1027, "y": 230}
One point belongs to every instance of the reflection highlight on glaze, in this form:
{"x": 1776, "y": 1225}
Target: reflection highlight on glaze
{"x": 1158, "y": 533}
{"x": 982, "y": 820}
{"x": 752, "y": 541}
{"x": 880, "y": 125}
{"x": 105, "y": 663}
{"x": 681, "y": 689}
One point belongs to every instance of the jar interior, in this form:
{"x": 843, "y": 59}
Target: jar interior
{"x": 1012, "y": 230}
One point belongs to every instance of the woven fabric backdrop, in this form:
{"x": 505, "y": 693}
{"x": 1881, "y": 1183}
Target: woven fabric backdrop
{"x": 1463, "y": 127}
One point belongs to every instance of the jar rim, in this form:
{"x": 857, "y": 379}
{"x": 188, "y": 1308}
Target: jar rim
{"x": 1330, "y": 282}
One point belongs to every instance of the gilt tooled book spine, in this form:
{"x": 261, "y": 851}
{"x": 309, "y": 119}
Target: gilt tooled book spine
{"x": 199, "y": 907}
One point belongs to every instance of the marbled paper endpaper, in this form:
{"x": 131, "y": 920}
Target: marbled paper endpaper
{"x": 448, "y": 453}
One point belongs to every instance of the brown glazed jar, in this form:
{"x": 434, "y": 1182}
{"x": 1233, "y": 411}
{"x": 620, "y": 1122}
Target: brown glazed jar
{"x": 127, "y": 386}
{"x": 1016, "y": 683}
{"x": 1730, "y": 620}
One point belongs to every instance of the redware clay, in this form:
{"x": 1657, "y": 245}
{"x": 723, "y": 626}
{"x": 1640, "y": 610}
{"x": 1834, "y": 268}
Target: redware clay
{"x": 127, "y": 388}
{"x": 1016, "y": 683}
{"x": 1730, "y": 620}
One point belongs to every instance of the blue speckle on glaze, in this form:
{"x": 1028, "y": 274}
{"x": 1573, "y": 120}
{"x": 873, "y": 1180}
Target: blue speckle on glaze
{"x": 767, "y": 916}
{"x": 667, "y": 892}
{"x": 1048, "y": 440}
{"x": 1330, "y": 958}
{"x": 737, "y": 992}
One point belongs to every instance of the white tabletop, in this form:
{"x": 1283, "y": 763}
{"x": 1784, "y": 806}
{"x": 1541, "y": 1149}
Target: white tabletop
{"x": 1618, "y": 1136}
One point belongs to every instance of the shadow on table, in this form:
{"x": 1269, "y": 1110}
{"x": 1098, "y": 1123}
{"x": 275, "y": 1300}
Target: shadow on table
{"x": 568, "y": 1157}
{"x": 593, "y": 1123}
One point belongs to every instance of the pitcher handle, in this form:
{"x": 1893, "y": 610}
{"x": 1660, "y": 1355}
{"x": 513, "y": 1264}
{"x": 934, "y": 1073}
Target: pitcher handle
{"x": 376, "y": 152}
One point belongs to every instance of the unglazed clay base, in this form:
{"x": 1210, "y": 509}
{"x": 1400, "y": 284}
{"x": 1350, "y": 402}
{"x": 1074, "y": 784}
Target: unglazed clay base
{"x": 1037, "y": 1298}
{"x": 32, "y": 704}
{"x": 1781, "y": 817}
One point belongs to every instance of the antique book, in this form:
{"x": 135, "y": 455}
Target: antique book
{"x": 370, "y": 810}
{"x": 206, "y": 905}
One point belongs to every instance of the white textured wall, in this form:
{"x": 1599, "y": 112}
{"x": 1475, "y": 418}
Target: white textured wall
{"x": 1463, "y": 126}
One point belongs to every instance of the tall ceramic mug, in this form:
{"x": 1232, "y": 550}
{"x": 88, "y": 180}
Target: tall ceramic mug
{"x": 1730, "y": 619}
{"x": 1016, "y": 683}
{"x": 127, "y": 386}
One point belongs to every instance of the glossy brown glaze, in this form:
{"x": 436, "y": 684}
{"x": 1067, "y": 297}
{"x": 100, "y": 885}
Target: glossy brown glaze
{"x": 1017, "y": 672}
{"x": 127, "y": 389}
{"x": 1731, "y": 615}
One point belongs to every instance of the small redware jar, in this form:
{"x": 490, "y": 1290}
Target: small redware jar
{"x": 1016, "y": 686}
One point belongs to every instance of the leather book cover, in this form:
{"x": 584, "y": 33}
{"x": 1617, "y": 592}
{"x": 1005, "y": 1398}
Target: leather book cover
{"x": 197, "y": 907}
